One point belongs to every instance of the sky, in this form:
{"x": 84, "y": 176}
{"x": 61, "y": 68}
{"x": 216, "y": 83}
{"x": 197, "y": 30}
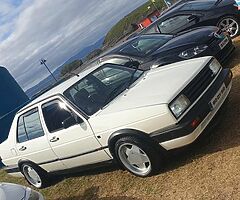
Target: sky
{"x": 54, "y": 30}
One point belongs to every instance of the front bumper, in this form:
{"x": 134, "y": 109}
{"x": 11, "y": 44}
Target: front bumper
{"x": 196, "y": 120}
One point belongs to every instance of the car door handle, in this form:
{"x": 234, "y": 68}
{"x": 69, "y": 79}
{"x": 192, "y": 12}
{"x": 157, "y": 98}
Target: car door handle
{"x": 54, "y": 139}
{"x": 22, "y": 148}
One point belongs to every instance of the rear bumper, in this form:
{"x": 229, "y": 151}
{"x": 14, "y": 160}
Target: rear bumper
{"x": 185, "y": 132}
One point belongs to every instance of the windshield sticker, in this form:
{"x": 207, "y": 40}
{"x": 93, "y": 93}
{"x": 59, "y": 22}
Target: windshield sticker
{"x": 238, "y": 4}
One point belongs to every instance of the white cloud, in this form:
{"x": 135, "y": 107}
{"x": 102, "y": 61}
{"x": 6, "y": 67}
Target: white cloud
{"x": 55, "y": 30}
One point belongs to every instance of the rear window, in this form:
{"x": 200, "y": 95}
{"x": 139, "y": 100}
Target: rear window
{"x": 198, "y": 5}
{"x": 144, "y": 45}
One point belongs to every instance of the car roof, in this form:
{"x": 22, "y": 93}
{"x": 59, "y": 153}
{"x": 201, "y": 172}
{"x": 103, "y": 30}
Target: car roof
{"x": 60, "y": 88}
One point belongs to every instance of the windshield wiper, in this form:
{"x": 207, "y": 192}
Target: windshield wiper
{"x": 131, "y": 80}
{"x": 119, "y": 89}
{"x": 114, "y": 93}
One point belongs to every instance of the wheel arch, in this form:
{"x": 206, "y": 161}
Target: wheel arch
{"x": 22, "y": 161}
{"x": 227, "y": 15}
{"x": 114, "y": 137}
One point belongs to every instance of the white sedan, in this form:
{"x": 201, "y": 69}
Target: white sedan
{"x": 114, "y": 112}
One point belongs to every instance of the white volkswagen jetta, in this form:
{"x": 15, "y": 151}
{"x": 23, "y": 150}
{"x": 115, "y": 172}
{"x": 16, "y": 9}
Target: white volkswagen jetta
{"x": 114, "y": 112}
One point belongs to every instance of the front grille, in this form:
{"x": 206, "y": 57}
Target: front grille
{"x": 197, "y": 86}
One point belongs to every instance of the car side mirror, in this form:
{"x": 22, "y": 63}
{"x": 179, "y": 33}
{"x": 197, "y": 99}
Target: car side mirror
{"x": 132, "y": 64}
{"x": 70, "y": 121}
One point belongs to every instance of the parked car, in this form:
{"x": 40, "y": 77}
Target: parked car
{"x": 115, "y": 112}
{"x": 186, "y": 15}
{"x": 160, "y": 49}
{"x": 10, "y": 191}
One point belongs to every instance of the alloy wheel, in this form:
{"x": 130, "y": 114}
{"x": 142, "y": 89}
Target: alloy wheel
{"x": 134, "y": 159}
{"x": 229, "y": 25}
{"x": 32, "y": 176}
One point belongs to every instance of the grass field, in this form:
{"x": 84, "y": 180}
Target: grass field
{"x": 208, "y": 170}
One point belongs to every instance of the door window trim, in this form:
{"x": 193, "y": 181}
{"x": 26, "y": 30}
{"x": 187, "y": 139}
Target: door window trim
{"x": 52, "y": 100}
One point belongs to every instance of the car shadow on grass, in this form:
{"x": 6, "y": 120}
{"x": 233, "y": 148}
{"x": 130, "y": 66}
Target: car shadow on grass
{"x": 92, "y": 194}
{"x": 79, "y": 172}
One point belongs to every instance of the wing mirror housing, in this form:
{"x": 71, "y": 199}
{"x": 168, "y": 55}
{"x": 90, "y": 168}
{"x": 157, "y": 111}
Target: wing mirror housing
{"x": 71, "y": 121}
{"x": 132, "y": 64}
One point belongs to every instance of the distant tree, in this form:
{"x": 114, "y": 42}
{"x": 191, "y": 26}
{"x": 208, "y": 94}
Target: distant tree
{"x": 125, "y": 26}
{"x": 71, "y": 66}
{"x": 93, "y": 54}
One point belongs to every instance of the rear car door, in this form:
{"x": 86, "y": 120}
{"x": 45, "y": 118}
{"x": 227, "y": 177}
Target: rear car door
{"x": 32, "y": 143}
{"x": 75, "y": 145}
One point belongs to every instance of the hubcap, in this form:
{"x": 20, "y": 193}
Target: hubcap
{"x": 32, "y": 176}
{"x": 134, "y": 159}
{"x": 229, "y": 25}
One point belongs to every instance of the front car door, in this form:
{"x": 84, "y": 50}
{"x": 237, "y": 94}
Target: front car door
{"x": 32, "y": 143}
{"x": 75, "y": 145}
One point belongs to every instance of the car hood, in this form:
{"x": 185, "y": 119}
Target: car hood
{"x": 189, "y": 38}
{"x": 157, "y": 86}
{"x": 12, "y": 191}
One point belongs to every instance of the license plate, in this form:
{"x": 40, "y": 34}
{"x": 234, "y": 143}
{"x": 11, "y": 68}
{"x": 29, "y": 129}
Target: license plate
{"x": 223, "y": 43}
{"x": 218, "y": 96}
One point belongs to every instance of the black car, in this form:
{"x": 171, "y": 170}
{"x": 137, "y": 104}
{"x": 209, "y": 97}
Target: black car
{"x": 160, "y": 49}
{"x": 188, "y": 14}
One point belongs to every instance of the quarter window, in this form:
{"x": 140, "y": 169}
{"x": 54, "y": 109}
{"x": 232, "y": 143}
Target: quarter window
{"x": 29, "y": 126}
{"x": 55, "y": 113}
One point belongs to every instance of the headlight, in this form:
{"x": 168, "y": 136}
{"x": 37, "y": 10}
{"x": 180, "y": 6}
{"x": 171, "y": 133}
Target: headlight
{"x": 179, "y": 105}
{"x": 215, "y": 66}
{"x": 189, "y": 53}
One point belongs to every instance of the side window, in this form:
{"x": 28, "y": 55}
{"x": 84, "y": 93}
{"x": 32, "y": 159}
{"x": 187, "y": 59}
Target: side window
{"x": 151, "y": 30}
{"x": 29, "y": 126}
{"x": 174, "y": 23}
{"x": 55, "y": 113}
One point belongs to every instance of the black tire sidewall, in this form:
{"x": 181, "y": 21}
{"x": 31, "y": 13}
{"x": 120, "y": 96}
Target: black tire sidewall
{"x": 150, "y": 149}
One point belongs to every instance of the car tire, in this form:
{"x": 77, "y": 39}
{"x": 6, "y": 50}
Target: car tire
{"x": 140, "y": 158}
{"x": 230, "y": 24}
{"x": 34, "y": 175}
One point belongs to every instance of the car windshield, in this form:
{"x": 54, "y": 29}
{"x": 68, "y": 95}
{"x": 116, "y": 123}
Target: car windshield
{"x": 98, "y": 88}
{"x": 144, "y": 45}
